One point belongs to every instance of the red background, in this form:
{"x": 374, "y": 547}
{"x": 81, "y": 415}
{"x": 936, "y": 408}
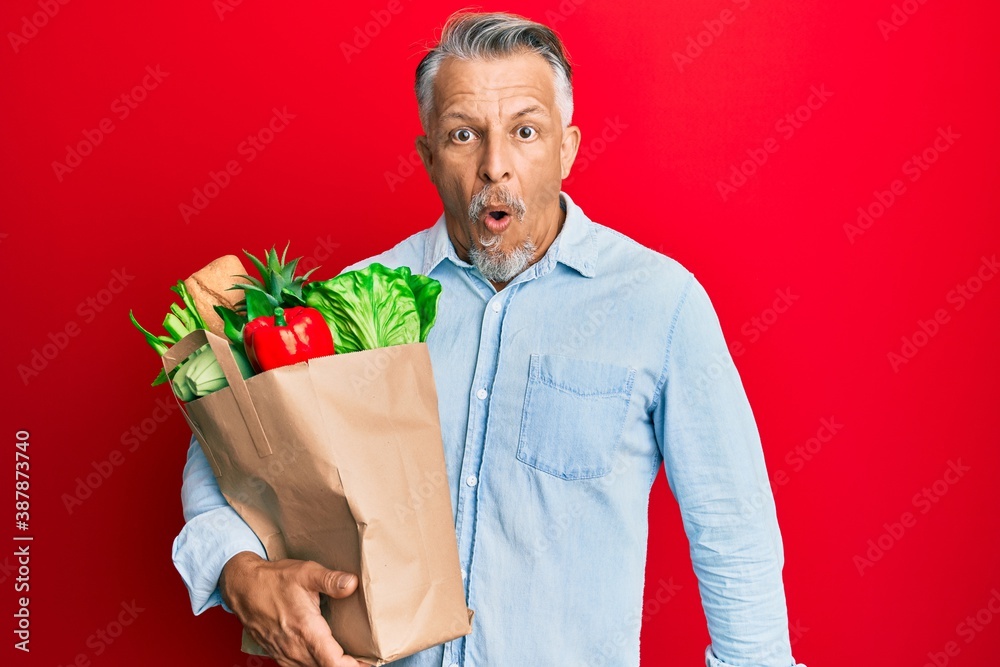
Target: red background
{"x": 678, "y": 130}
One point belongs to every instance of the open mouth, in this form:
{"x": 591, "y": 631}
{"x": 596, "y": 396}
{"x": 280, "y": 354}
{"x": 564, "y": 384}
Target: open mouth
{"x": 496, "y": 219}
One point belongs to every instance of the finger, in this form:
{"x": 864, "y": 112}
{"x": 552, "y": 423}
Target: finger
{"x": 348, "y": 661}
{"x": 334, "y": 583}
{"x": 325, "y": 650}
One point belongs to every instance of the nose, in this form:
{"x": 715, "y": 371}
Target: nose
{"x": 494, "y": 164}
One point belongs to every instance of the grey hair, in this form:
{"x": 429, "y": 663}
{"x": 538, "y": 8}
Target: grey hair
{"x": 487, "y": 36}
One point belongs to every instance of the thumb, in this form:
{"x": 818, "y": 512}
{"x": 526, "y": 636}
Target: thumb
{"x": 334, "y": 583}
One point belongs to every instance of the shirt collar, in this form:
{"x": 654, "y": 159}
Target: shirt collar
{"x": 575, "y": 245}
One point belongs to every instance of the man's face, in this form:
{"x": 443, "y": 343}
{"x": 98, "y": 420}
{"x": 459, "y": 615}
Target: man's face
{"x": 496, "y": 151}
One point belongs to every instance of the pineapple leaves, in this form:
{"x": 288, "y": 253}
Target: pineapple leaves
{"x": 257, "y": 264}
{"x": 277, "y": 285}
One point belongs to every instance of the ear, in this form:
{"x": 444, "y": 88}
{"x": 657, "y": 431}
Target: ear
{"x": 567, "y": 151}
{"x": 424, "y": 149}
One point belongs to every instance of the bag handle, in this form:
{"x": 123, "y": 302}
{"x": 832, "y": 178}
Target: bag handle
{"x": 224, "y": 354}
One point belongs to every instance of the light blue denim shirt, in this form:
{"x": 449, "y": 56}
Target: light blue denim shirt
{"x": 560, "y": 396}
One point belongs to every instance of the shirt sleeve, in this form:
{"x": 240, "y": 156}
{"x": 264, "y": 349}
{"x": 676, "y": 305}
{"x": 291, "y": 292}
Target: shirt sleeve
{"x": 213, "y": 533}
{"x": 715, "y": 468}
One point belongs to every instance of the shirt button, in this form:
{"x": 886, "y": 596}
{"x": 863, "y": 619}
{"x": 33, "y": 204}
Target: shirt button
{"x": 463, "y": 573}
{"x": 481, "y": 394}
{"x": 471, "y": 480}
{"x": 496, "y": 306}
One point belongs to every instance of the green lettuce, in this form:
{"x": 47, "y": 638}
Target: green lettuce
{"x": 375, "y": 306}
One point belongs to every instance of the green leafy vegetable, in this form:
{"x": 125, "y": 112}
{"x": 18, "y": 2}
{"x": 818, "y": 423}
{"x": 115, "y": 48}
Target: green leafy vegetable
{"x": 199, "y": 374}
{"x": 375, "y": 306}
{"x": 426, "y": 292}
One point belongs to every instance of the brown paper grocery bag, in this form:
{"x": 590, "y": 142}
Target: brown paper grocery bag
{"x": 339, "y": 460}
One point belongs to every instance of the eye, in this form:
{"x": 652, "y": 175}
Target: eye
{"x": 527, "y": 132}
{"x": 463, "y": 136}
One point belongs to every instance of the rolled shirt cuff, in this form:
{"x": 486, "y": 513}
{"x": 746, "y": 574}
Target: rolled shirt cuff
{"x": 712, "y": 661}
{"x": 202, "y": 549}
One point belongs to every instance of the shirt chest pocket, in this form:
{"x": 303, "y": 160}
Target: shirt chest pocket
{"x": 574, "y": 413}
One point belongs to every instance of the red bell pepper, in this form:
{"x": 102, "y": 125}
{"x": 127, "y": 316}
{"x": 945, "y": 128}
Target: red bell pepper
{"x": 292, "y": 335}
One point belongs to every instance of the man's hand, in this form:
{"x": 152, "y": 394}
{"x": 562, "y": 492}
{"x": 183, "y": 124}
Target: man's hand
{"x": 278, "y": 603}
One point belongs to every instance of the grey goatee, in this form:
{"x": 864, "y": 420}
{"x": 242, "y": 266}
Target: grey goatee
{"x": 493, "y": 262}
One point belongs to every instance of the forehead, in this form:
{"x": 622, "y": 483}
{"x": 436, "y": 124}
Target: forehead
{"x": 467, "y": 83}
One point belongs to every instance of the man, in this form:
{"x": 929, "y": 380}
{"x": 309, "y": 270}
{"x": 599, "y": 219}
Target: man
{"x": 570, "y": 362}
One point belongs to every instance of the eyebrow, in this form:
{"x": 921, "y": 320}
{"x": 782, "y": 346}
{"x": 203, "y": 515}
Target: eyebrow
{"x": 527, "y": 111}
{"x": 534, "y": 109}
{"x": 457, "y": 115}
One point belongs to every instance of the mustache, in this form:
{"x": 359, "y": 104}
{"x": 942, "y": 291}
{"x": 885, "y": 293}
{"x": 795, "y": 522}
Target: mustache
{"x": 493, "y": 196}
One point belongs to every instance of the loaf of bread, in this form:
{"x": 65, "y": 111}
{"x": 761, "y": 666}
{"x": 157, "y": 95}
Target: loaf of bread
{"x": 209, "y": 287}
